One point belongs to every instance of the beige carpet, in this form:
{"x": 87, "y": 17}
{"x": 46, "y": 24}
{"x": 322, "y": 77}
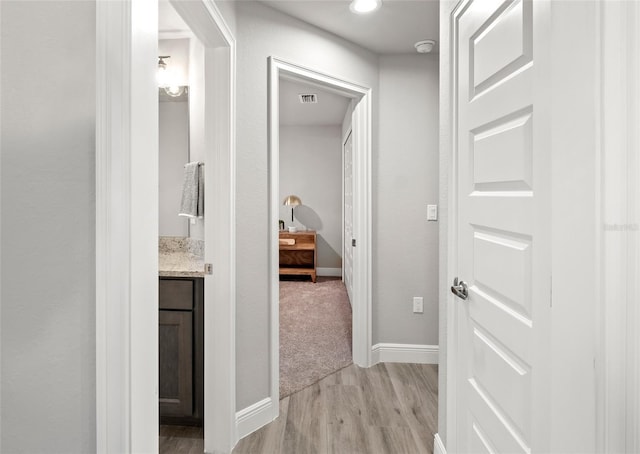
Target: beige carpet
{"x": 315, "y": 332}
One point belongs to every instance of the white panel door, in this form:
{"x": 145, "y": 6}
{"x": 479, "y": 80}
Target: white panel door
{"x": 347, "y": 257}
{"x": 502, "y": 231}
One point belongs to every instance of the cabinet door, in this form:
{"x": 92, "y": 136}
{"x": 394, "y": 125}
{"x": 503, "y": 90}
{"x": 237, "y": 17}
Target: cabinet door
{"x": 176, "y": 294}
{"x": 176, "y": 363}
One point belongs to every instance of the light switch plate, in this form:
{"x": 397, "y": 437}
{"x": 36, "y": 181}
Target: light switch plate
{"x": 432, "y": 212}
{"x": 418, "y": 305}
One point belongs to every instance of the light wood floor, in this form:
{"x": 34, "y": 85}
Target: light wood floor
{"x": 387, "y": 409}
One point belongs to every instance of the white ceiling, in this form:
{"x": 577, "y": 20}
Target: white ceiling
{"x": 393, "y": 29}
{"x": 329, "y": 110}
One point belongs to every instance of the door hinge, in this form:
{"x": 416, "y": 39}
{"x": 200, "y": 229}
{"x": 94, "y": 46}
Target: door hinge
{"x": 208, "y": 268}
{"x": 353, "y": 242}
{"x": 551, "y": 291}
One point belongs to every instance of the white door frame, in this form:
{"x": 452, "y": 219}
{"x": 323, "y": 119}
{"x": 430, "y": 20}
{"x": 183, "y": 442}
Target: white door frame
{"x": 127, "y": 225}
{"x": 619, "y": 317}
{"x": 449, "y": 100}
{"x": 362, "y": 130}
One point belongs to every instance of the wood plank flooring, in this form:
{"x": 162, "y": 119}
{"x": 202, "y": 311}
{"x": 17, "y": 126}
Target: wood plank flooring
{"x": 390, "y": 408}
{"x": 387, "y": 409}
{"x": 181, "y": 440}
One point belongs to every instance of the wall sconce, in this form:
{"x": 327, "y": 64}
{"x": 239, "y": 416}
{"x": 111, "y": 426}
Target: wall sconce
{"x": 163, "y": 76}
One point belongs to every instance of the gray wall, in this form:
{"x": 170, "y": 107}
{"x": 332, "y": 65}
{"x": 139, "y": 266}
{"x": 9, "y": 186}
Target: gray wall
{"x": 174, "y": 153}
{"x": 311, "y": 168}
{"x": 228, "y": 10}
{"x": 48, "y": 316}
{"x": 405, "y": 163}
{"x": 48, "y": 227}
{"x": 262, "y": 32}
{"x": 405, "y": 261}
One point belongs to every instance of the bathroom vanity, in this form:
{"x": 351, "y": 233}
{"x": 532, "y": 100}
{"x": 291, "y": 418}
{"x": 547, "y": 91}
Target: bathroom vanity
{"x": 181, "y": 333}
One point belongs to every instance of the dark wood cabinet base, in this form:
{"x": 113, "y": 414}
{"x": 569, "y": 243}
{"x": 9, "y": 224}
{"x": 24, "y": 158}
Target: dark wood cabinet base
{"x": 181, "y": 351}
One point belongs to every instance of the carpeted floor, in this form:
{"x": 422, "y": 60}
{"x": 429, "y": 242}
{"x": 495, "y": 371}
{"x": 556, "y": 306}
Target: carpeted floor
{"x": 315, "y": 332}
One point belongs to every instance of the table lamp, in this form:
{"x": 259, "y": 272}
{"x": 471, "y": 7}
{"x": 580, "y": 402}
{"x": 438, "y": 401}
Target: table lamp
{"x": 292, "y": 201}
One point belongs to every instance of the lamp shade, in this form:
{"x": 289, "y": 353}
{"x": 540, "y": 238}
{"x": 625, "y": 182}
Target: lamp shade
{"x": 292, "y": 200}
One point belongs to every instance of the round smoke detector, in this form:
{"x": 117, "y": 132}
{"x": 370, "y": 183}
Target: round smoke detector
{"x": 426, "y": 46}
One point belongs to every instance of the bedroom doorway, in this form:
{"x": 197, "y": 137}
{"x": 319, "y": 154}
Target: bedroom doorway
{"x": 359, "y": 120}
{"x": 315, "y": 311}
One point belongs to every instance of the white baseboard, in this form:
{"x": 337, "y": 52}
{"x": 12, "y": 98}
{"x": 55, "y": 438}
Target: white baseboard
{"x": 404, "y": 353}
{"x": 250, "y": 419}
{"x": 333, "y": 272}
{"x": 438, "y": 446}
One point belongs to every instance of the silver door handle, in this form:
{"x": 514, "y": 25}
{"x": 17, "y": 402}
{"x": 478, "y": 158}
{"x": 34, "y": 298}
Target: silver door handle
{"x": 460, "y": 289}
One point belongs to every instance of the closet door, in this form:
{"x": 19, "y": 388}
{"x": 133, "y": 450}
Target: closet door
{"x": 347, "y": 256}
{"x": 503, "y": 225}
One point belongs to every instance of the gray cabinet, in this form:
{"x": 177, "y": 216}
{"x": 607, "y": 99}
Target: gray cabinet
{"x": 181, "y": 348}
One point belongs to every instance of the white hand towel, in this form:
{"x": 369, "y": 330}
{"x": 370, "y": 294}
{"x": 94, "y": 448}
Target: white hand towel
{"x": 192, "y": 203}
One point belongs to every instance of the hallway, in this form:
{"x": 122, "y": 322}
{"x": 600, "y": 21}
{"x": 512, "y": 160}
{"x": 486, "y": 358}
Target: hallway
{"x": 389, "y": 408}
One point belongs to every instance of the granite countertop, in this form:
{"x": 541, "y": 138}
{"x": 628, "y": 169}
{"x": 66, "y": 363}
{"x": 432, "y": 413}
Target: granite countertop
{"x": 180, "y": 257}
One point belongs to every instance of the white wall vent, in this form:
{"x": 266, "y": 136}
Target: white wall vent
{"x": 308, "y": 99}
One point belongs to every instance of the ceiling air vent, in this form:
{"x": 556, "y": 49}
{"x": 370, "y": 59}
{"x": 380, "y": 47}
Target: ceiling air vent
{"x": 308, "y": 99}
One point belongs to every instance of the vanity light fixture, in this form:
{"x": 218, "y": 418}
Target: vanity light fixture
{"x": 174, "y": 90}
{"x": 364, "y": 6}
{"x": 163, "y": 77}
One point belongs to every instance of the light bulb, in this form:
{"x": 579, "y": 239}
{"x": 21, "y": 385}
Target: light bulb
{"x": 162, "y": 76}
{"x": 174, "y": 90}
{"x": 365, "y": 6}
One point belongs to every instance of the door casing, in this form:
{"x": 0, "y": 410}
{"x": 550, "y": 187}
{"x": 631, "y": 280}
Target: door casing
{"x": 362, "y": 130}
{"x": 127, "y": 225}
{"x": 618, "y": 356}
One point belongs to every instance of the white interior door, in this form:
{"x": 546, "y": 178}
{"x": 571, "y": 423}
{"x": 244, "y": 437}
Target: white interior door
{"x": 502, "y": 231}
{"x": 347, "y": 256}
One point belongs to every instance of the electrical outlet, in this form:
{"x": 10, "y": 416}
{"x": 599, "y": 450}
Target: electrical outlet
{"x": 418, "y": 305}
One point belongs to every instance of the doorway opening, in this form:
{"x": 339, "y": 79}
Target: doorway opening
{"x": 214, "y": 68}
{"x": 315, "y": 310}
{"x": 127, "y": 168}
{"x": 181, "y": 232}
{"x": 360, "y": 116}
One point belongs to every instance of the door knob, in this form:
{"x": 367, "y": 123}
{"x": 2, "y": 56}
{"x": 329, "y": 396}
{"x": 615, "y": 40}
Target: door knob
{"x": 460, "y": 289}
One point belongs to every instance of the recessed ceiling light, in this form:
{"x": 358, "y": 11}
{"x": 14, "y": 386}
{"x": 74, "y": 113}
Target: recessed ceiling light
{"x": 365, "y": 6}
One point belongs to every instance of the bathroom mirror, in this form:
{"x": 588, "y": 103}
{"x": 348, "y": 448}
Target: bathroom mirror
{"x": 173, "y": 113}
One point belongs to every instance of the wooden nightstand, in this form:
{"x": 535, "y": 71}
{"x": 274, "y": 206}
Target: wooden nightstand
{"x": 298, "y": 253}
